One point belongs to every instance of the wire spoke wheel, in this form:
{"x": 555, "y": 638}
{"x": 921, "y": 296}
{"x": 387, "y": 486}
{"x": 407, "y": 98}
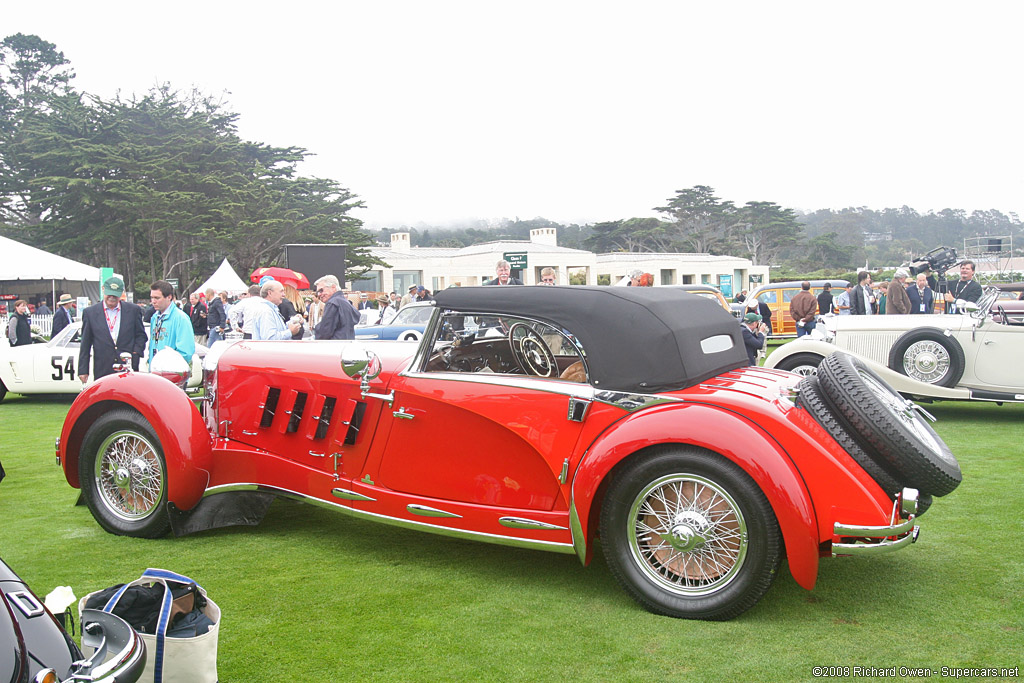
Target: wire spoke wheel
{"x": 688, "y": 534}
{"x": 129, "y": 476}
{"x": 124, "y": 475}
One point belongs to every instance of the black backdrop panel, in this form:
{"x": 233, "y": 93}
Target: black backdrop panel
{"x": 316, "y": 260}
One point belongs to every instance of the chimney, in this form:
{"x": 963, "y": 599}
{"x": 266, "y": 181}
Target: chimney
{"x": 400, "y": 241}
{"x": 544, "y": 236}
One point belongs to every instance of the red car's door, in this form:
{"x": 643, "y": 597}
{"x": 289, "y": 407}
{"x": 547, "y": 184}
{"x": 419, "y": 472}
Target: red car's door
{"x": 501, "y": 440}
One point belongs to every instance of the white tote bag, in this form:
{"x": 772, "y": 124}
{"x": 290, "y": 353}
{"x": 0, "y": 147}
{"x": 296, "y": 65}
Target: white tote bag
{"x": 173, "y": 660}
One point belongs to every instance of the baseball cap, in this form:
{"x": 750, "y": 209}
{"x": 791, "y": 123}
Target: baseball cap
{"x": 113, "y": 286}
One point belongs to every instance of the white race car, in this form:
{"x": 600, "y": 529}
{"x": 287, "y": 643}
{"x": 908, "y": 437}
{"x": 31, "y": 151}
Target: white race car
{"x": 51, "y": 368}
{"x": 967, "y": 356}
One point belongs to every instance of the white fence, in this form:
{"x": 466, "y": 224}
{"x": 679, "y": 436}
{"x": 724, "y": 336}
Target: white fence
{"x": 43, "y": 322}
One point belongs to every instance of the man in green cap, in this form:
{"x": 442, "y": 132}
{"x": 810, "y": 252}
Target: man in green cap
{"x": 753, "y": 335}
{"x": 110, "y": 328}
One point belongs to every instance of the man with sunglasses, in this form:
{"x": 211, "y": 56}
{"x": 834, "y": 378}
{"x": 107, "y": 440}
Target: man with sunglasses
{"x": 340, "y": 316}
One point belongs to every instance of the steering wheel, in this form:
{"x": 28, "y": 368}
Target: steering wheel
{"x": 530, "y": 351}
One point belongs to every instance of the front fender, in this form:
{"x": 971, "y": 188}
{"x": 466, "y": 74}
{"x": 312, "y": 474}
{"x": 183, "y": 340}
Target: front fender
{"x": 802, "y": 345}
{"x": 730, "y": 435}
{"x": 186, "y": 443}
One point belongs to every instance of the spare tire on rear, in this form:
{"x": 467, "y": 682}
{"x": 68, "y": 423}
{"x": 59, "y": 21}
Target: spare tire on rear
{"x": 810, "y": 398}
{"x": 888, "y": 426}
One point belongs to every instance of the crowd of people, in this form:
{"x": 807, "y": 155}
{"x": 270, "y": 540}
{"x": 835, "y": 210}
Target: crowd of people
{"x": 272, "y": 310}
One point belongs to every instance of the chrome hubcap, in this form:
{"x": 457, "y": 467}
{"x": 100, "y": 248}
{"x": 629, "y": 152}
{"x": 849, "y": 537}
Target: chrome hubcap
{"x": 926, "y": 361}
{"x": 687, "y": 534}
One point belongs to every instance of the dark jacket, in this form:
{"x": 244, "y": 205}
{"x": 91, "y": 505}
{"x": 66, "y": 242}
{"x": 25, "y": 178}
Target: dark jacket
{"x": 198, "y": 316}
{"x": 858, "y": 302}
{"x": 339, "y": 319}
{"x": 22, "y": 329}
{"x": 753, "y": 341}
{"x": 131, "y": 338}
{"x": 511, "y": 281}
{"x": 61, "y": 319}
{"x": 915, "y": 299}
{"x": 825, "y": 302}
{"x": 215, "y": 316}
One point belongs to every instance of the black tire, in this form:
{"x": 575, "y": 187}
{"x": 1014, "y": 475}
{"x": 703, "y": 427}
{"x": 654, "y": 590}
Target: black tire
{"x": 3, "y": 390}
{"x": 712, "y": 562}
{"x": 888, "y": 426}
{"x": 123, "y": 476}
{"x": 801, "y": 363}
{"x": 928, "y": 355}
{"x": 809, "y": 396}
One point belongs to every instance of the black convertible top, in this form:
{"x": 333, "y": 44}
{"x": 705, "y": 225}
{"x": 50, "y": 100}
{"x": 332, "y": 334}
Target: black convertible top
{"x": 637, "y": 339}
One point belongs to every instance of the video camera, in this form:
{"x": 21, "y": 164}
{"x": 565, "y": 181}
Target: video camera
{"x": 938, "y": 260}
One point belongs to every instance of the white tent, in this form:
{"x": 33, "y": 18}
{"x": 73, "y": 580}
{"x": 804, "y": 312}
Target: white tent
{"x": 30, "y": 272}
{"x": 224, "y": 279}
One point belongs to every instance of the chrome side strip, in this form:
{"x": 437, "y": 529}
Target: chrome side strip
{"x": 427, "y": 511}
{"x": 346, "y": 494}
{"x": 522, "y": 523}
{"x": 549, "y": 546}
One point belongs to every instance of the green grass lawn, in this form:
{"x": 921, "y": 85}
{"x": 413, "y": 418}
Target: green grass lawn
{"x": 313, "y": 595}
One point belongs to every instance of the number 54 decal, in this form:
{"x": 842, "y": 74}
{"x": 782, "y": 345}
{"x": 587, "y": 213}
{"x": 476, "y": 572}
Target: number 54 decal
{"x": 59, "y": 370}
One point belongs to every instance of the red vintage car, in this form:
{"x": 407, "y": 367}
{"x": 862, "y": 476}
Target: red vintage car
{"x": 540, "y": 417}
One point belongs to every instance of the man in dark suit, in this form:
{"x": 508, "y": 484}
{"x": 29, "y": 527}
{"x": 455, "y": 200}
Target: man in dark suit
{"x": 922, "y": 298}
{"x": 862, "y": 298}
{"x": 502, "y": 275}
{"x": 62, "y": 317}
{"x": 105, "y": 322}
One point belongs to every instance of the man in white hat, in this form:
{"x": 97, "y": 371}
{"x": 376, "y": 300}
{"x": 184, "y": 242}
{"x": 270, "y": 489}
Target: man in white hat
{"x": 897, "y": 299}
{"x": 62, "y": 318}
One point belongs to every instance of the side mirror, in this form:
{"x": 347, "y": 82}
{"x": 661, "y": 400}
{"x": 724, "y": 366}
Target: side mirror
{"x": 360, "y": 363}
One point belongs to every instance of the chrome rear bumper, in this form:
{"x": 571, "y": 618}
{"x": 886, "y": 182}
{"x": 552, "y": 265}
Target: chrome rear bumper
{"x": 873, "y": 540}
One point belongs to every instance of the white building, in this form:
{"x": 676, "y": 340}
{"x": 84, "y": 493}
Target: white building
{"x": 437, "y": 268}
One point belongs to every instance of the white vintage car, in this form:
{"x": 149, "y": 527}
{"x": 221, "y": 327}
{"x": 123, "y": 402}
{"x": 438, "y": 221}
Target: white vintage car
{"x": 969, "y": 356}
{"x": 52, "y": 368}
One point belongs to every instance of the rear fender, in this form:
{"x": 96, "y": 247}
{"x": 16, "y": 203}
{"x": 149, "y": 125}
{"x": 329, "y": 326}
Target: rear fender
{"x": 725, "y": 433}
{"x": 186, "y": 443}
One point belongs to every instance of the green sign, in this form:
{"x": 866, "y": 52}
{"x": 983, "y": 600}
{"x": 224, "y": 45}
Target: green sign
{"x": 755, "y": 279}
{"x": 516, "y": 259}
{"x": 173, "y": 282}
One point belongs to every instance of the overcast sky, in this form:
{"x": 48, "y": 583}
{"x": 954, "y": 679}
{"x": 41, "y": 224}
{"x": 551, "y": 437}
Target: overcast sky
{"x": 589, "y": 111}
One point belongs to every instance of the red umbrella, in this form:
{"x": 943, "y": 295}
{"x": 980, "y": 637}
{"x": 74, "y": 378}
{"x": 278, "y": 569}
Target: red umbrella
{"x": 285, "y": 276}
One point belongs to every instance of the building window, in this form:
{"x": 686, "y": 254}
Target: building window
{"x": 370, "y": 282}
{"x": 668, "y": 276}
{"x": 404, "y": 279}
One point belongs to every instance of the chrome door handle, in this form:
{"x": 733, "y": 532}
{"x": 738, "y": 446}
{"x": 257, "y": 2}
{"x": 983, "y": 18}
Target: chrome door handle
{"x": 402, "y": 414}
